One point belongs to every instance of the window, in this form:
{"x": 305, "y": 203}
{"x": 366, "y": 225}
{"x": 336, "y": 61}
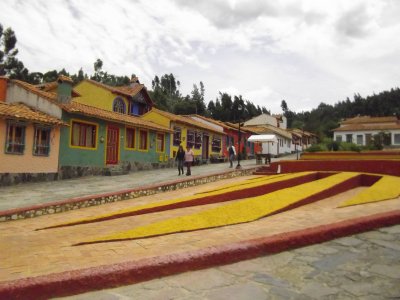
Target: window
{"x": 41, "y": 143}
{"x": 197, "y": 140}
{"x": 359, "y": 139}
{"x": 130, "y": 138}
{"x": 339, "y": 138}
{"x": 83, "y": 135}
{"x": 396, "y": 138}
{"x": 142, "y": 140}
{"x": 119, "y": 105}
{"x": 177, "y": 136}
{"x": 15, "y": 143}
{"x": 349, "y": 138}
{"x": 160, "y": 142}
{"x": 216, "y": 144}
{"x": 368, "y": 139}
{"x": 190, "y": 139}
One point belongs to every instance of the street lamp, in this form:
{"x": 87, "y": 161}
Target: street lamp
{"x": 238, "y": 167}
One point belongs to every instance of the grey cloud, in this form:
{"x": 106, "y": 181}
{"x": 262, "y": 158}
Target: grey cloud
{"x": 354, "y": 23}
{"x": 223, "y": 15}
{"x": 73, "y": 10}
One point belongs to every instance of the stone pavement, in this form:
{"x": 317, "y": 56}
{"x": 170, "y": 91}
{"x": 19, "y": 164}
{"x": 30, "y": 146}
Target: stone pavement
{"x": 24, "y": 195}
{"x": 363, "y": 266}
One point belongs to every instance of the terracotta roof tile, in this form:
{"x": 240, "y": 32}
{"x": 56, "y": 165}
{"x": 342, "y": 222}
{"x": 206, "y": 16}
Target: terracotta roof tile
{"x": 23, "y": 112}
{"x": 368, "y": 127}
{"x": 368, "y": 119}
{"x": 75, "y": 107}
{"x": 121, "y": 90}
{"x": 32, "y": 88}
{"x": 185, "y": 120}
{"x": 216, "y": 122}
{"x": 269, "y": 129}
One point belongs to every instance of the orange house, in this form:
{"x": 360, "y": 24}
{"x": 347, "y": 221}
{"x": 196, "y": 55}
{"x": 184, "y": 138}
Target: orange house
{"x": 29, "y": 133}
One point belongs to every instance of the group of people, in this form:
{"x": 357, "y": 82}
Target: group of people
{"x": 187, "y": 157}
{"x": 184, "y": 158}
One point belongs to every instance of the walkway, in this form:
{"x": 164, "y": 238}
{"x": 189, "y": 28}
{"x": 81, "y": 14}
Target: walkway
{"x": 29, "y": 194}
{"x": 363, "y": 266}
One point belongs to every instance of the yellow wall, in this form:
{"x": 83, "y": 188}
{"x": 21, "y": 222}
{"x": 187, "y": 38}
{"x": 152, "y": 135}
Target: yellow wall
{"x": 157, "y": 118}
{"x": 164, "y": 121}
{"x": 27, "y": 162}
{"x": 96, "y": 96}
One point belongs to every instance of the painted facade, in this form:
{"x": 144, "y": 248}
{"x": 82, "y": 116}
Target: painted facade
{"x": 362, "y": 129}
{"x": 206, "y": 141}
{"x": 131, "y": 100}
{"x": 29, "y": 131}
{"x": 97, "y": 139}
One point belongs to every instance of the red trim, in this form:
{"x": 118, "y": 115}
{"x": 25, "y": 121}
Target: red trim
{"x": 109, "y": 276}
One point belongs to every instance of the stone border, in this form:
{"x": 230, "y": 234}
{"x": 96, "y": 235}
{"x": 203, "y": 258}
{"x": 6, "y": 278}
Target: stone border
{"x": 94, "y": 200}
{"x": 109, "y": 276}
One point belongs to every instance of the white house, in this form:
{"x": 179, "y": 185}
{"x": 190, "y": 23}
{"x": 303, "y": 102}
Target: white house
{"x": 361, "y": 130}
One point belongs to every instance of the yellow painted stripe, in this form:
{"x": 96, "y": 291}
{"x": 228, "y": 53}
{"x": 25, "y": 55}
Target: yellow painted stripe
{"x": 244, "y": 210}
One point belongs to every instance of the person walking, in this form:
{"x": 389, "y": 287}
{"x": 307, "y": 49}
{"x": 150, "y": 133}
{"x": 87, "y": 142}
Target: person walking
{"x": 231, "y": 153}
{"x": 189, "y": 158}
{"x": 180, "y": 158}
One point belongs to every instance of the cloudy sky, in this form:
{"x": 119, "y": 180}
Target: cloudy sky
{"x": 303, "y": 51}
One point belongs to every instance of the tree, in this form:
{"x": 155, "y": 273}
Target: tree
{"x": 9, "y": 64}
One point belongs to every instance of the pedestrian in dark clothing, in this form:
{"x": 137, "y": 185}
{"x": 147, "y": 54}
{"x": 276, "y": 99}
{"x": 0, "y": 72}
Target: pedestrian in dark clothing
{"x": 232, "y": 153}
{"x": 180, "y": 158}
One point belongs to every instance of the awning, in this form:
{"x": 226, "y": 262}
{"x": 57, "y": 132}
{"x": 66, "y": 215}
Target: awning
{"x": 263, "y": 138}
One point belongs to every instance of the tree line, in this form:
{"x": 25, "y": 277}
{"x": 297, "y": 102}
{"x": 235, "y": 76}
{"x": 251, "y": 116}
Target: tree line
{"x": 165, "y": 92}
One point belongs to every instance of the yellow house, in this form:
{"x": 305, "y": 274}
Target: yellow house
{"x": 205, "y": 140}
{"x": 131, "y": 100}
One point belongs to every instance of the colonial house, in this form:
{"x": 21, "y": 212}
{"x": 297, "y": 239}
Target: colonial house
{"x": 99, "y": 141}
{"x": 301, "y": 139}
{"x": 245, "y": 147}
{"x": 362, "y": 129}
{"x": 275, "y": 125}
{"x": 231, "y": 132}
{"x": 30, "y": 124}
{"x": 131, "y": 100}
{"x": 206, "y": 140}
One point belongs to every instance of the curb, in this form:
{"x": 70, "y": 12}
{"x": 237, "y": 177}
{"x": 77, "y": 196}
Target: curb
{"x": 99, "y": 199}
{"x": 109, "y": 276}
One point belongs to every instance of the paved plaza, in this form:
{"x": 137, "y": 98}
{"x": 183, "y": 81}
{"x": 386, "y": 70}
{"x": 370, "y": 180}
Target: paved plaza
{"x": 363, "y": 266}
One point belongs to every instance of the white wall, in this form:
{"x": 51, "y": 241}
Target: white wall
{"x": 281, "y": 147}
{"x": 17, "y": 94}
{"x": 355, "y": 133}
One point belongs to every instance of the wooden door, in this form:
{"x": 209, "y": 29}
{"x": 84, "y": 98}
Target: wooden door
{"x": 112, "y": 145}
{"x": 206, "y": 143}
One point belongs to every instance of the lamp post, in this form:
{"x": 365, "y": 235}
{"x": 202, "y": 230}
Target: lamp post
{"x": 238, "y": 167}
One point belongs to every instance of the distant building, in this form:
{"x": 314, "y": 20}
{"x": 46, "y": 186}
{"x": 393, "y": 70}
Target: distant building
{"x": 362, "y": 129}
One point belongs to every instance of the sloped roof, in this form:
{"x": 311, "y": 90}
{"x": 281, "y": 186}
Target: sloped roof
{"x": 51, "y": 87}
{"x": 21, "y": 111}
{"x": 368, "y": 127}
{"x": 368, "y": 119}
{"x": 127, "y": 91}
{"x": 367, "y": 123}
{"x": 33, "y": 89}
{"x": 265, "y": 129}
{"x": 184, "y": 120}
{"x": 78, "y": 108}
{"x": 216, "y": 122}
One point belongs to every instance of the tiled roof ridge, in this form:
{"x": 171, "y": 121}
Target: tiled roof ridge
{"x": 27, "y": 112}
{"x": 185, "y": 119}
{"x": 32, "y": 88}
{"x": 369, "y": 119}
{"x": 115, "y": 89}
{"x": 114, "y": 116}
